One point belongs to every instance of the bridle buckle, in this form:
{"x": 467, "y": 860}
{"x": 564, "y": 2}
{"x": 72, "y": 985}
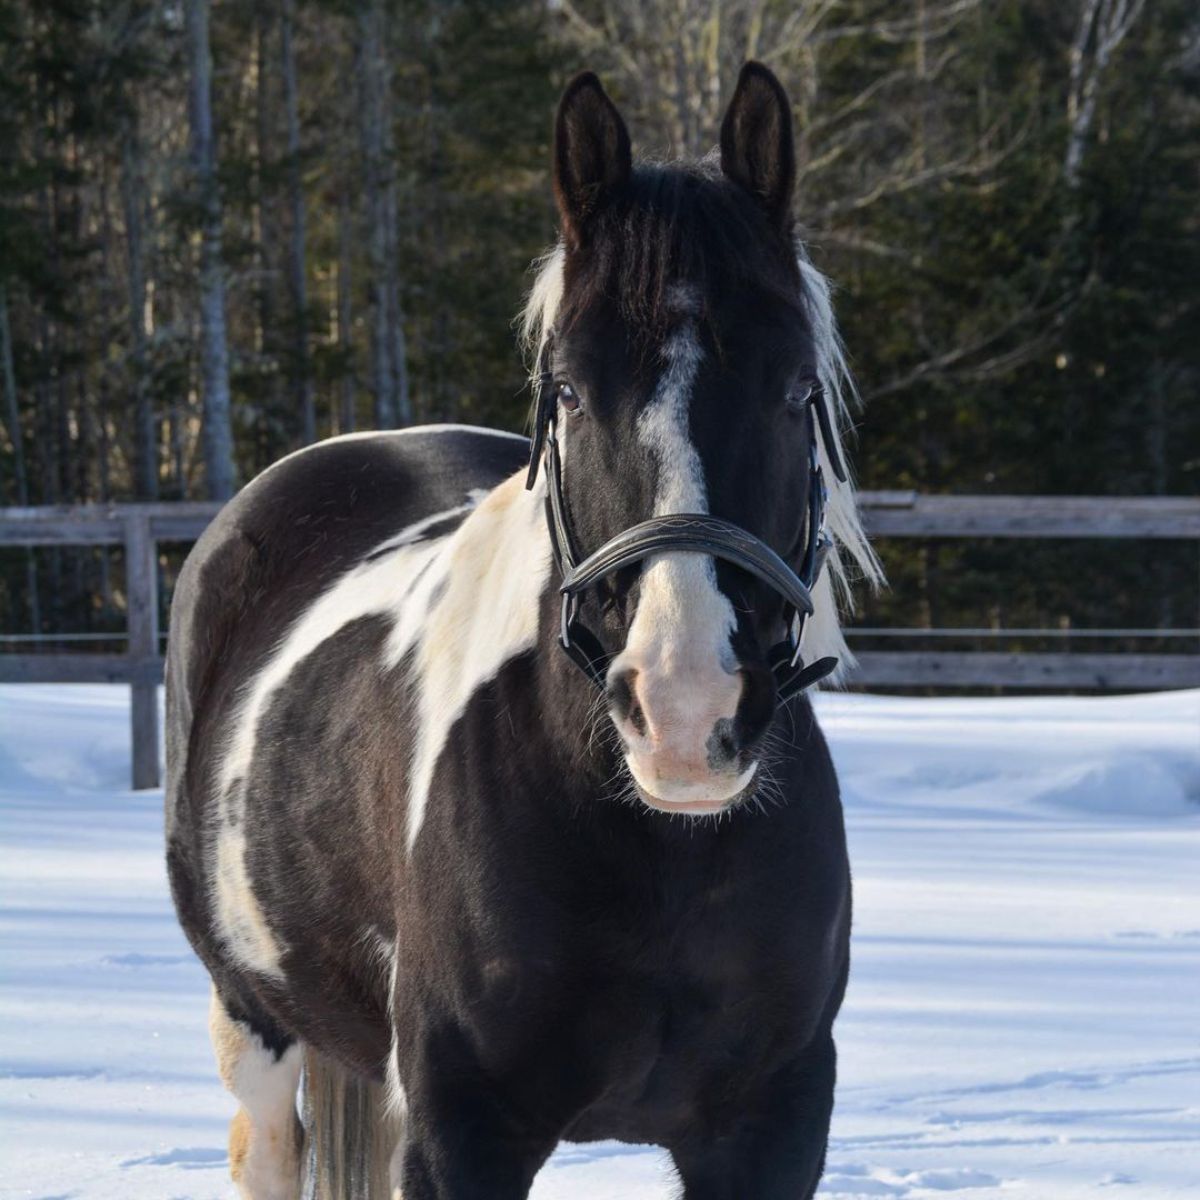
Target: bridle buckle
{"x": 569, "y": 611}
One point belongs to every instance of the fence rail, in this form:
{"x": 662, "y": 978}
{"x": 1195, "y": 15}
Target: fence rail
{"x": 140, "y": 527}
{"x": 911, "y": 514}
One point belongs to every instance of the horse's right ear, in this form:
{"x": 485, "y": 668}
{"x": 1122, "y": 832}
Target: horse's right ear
{"x": 592, "y": 160}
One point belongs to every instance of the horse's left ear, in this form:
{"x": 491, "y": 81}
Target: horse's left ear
{"x": 757, "y": 150}
{"x": 592, "y": 159}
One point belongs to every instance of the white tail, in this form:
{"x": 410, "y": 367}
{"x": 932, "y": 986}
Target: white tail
{"x": 349, "y": 1135}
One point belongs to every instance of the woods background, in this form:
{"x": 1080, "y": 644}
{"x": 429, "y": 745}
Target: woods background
{"x": 228, "y": 230}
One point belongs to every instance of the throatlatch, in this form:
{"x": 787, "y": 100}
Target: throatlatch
{"x": 693, "y": 533}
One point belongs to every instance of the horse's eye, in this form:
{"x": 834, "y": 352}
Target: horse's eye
{"x": 568, "y": 397}
{"x": 803, "y": 392}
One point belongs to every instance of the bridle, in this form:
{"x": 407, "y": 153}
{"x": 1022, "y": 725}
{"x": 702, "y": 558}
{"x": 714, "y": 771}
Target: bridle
{"x": 693, "y": 533}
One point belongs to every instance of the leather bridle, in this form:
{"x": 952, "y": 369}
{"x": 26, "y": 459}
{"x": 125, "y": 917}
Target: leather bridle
{"x": 692, "y": 533}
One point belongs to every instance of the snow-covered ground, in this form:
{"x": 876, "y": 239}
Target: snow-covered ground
{"x": 1023, "y": 1019}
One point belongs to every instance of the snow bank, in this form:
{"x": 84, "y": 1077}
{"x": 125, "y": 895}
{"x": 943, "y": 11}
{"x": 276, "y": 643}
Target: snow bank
{"x": 1022, "y": 1014}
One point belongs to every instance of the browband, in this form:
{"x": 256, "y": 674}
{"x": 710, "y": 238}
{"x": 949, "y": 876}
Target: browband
{"x": 692, "y": 533}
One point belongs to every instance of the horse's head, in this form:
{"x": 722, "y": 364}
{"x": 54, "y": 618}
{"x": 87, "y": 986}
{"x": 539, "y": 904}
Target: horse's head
{"x": 683, "y": 344}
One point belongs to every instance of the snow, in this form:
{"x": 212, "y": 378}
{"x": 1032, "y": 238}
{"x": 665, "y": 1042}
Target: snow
{"x": 1022, "y": 1018}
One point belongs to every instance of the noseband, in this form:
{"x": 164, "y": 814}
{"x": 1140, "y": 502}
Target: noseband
{"x": 690, "y": 533}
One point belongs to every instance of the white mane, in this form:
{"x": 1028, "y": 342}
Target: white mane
{"x": 832, "y": 595}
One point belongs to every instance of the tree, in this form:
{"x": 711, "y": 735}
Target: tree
{"x": 1004, "y": 193}
{"x": 389, "y": 354}
{"x": 301, "y": 366}
{"x": 133, "y": 202}
{"x": 1103, "y": 25}
{"x": 214, "y": 352}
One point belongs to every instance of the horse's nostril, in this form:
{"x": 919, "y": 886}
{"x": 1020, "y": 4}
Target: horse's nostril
{"x": 722, "y": 744}
{"x": 622, "y": 697}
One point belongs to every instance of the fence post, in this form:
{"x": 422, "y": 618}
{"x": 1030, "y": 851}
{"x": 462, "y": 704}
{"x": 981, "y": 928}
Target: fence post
{"x": 141, "y": 587}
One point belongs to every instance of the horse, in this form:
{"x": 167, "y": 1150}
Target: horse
{"x": 466, "y": 894}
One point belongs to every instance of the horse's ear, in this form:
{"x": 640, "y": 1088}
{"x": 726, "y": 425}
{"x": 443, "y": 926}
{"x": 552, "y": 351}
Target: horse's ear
{"x": 591, "y": 154}
{"x": 757, "y": 150}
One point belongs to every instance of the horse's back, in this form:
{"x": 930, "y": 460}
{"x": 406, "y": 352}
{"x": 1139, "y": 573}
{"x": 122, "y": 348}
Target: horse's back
{"x": 307, "y": 519}
{"x": 302, "y": 523}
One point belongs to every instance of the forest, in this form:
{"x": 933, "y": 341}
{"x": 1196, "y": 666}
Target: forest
{"x": 228, "y": 229}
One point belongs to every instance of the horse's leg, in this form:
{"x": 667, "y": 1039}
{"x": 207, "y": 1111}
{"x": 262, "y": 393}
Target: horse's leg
{"x": 463, "y": 1142}
{"x": 778, "y": 1154}
{"x": 464, "y": 1162}
{"x": 260, "y": 1065}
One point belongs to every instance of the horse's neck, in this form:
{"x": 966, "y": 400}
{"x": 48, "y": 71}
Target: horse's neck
{"x": 494, "y": 577}
{"x": 496, "y": 567}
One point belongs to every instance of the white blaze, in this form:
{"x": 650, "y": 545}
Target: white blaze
{"x": 683, "y": 620}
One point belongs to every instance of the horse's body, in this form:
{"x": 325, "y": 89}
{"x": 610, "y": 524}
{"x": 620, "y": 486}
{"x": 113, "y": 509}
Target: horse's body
{"x": 401, "y": 836}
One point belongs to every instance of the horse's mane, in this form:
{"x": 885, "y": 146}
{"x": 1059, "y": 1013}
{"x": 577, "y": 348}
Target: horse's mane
{"x": 684, "y": 222}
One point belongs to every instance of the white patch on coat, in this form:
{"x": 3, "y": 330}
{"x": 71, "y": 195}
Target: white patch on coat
{"x": 371, "y": 588}
{"x": 417, "y": 532}
{"x": 462, "y": 605}
{"x": 240, "y": 918}
{"x": 382, "y": 584}
{"x": 492, "y": 570}
{"x": 395, "y": 1100}
{"x": 265, "y": 1136}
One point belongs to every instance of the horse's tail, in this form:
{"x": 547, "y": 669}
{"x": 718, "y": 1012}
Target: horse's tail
{"x": 348, "y": 1134}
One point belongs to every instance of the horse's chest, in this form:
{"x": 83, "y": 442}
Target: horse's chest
{"x": 688, "y": 1021}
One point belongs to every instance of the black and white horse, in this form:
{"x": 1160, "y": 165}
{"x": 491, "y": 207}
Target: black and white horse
{"x": 485, "y": 903}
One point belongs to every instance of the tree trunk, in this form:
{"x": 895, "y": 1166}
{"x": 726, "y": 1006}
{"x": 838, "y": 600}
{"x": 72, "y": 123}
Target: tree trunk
{"x": 145, "y": 441}
{"x": 389, "y": 369}
{"x": 345, "y": 316}
{"x": 214, "y": 354}
{"x": 272, "y": 404}
{"x": 1157, "y": 433}
{"x": 12, "y": 417}
{"x": 301, "y": 368}
{"x": 104, "y": 489}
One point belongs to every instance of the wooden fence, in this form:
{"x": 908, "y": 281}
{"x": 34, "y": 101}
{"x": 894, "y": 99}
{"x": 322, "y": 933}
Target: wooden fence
{"x": 140, "y": 527}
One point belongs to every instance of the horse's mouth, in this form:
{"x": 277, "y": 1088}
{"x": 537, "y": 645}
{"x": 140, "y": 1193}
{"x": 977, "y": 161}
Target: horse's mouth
{"x": 706, "y": 799}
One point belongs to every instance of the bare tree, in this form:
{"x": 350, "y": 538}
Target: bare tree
{"x": 890, "y": 137}
{"x": 672, "y": 62}
{"x": 1103, "y": 26}
{"x": 301, "y": 367}
{"x": 214, "y": 354}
